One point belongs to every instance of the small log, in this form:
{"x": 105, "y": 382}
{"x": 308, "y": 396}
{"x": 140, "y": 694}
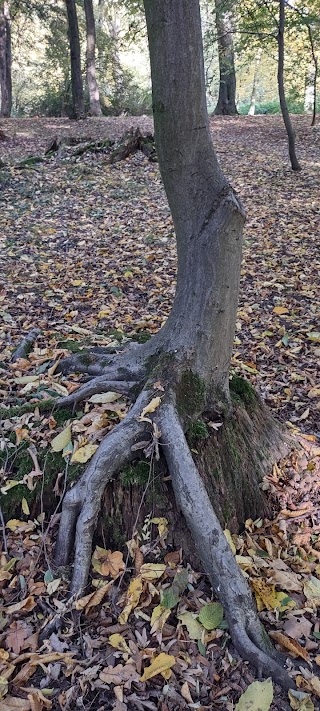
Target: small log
{"x": 26, "y": 344}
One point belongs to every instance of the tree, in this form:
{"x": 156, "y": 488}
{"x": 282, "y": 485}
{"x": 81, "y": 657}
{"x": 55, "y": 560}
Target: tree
{"x": 284, "y": 109}
{"x": 226, "y": 103}
{"x": 5, "y": 61}
{"x": 182, "y": 373}
{"x": 257, "y": 61}
{"x": 95, "y": 108}
{"x": 75, "y": 60}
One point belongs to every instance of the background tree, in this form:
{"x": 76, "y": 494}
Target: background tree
{"x": 183, "y": 372}
{"x": 284, "y": 109}
{"x": 75, "y": 60}
{"x": 5, "y": 60}
{"x": 94, "y": 100}
{"x": 226, "y": 103}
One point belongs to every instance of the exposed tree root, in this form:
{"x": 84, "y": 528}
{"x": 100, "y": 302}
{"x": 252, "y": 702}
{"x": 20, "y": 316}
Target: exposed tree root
{"x": 94, "y": 386}
{"x": 214, "y": 551}
{"x": 127, "y": 364}
{"x": 82, "y": 503}
{"x": 26, "y": 345}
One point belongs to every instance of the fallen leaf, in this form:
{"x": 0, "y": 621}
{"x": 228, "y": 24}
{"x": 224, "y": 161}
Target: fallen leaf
{"x": 61, "y": 440}
{"x": 195, "y": 629}
{"x": 291, "y": 645}
{"x": 257, "y": 697}
{"x": 83, "y": 454}
{"x": 160, "y": 665}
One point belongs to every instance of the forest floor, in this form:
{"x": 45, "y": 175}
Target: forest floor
{"x": 88, "y": 257}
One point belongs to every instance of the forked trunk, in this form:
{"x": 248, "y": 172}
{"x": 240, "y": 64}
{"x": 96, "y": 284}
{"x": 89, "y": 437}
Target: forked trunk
{"x": 226, "y": 104}
{"x": 282, "y": 97}
{"x": 95, "y": 108}
{"x": 75, "y": 60}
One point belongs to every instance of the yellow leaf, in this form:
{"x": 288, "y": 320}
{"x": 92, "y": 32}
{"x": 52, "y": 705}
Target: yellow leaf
{"x": 230, "y": 541}
{"x": 3, "y": 687}
{"x": 289, "y": 604}
{"x": 102, "y": 398}
{"x": 14, "y": 523}
{"x": 77, "y": 282}
{"x": 158, "y": 618}
{"x": 25, "y": 506}
{"x": 132, "y": 599}
{"x": 280, "y": 310}
{"x": 83, "y": 454}
{"x": 312, "y": 684}
{"x": 266, "y": 595}
{"x": 151, "y": 407}
{"x": 119, "y": 642}
{"x": 162, "y": 524}
{"x": 159, "y": 665}
{"x": 9, "y": 485}
{"x": 257, "y": 697}
{"x": 195, "y": 630}
{"x": 61, "y": 440}
{"x": 152, "y": 571}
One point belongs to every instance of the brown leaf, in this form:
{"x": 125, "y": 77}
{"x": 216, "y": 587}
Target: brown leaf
{"x": 19, "y": 632}
{"x": 291, "y": 645}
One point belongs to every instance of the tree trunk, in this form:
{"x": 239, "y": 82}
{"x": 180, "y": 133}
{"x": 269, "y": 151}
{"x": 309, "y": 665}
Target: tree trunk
{"x": 252, "y": 107}
{"x": 226, "y": 104}
{"x": 186, "y": 365}
{"x": 95, "y": 108}
{"x": 5, "y": 61}
{"x": 284, "y": 109}
{"x": 75, "y": 60}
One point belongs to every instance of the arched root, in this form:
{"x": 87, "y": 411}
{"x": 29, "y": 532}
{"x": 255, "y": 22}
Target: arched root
{"x": 82, "y": 503}
{"x": 214, "y": 551}
{"x": 96, "y": 385}
{"x": 128, "y": 363}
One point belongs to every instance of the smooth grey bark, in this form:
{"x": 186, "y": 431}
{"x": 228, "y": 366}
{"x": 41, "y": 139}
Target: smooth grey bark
{"x": 191, "y": 354}
{"x": 207, "y": 215}
{"x": 226, "y": 104}
{"x": 94, "y": 100}
{"x": 257, "y": 61}
{"x": 282, "y": 97}
{"x": 75, "y": 60}
{"x": 5, "y": 61}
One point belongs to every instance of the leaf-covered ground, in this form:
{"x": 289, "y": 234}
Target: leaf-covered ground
{"x": 88, "y": 256}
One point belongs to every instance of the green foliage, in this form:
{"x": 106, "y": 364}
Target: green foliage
{"x": 136, "y": 474}
{"x": 190, "y": 393}
{"x": 197, "y": 431}
{"x": 242, "y": 389}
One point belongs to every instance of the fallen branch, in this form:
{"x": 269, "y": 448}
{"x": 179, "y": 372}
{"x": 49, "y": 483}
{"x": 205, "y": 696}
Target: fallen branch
{"x": 26, "y": 344}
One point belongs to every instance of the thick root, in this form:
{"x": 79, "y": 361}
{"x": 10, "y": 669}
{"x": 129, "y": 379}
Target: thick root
{"x": 214, "y": 551}
{"x": 128, "y": 363}
{"x": 97, "y": 385}
{"x": 82, "y": 503}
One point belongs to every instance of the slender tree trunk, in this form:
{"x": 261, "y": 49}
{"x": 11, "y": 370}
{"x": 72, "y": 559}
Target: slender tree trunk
{"x": 75, "y": 60}
{"x": 226, "y": 104}
{"x": 284, "y": 109}
{"x": 5, "y": 61}
{"x": 95, "y": 108}
{"x": 252, "y": 108}
{"x": 315, "y": 75}
{"x": 186, "y": 365}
